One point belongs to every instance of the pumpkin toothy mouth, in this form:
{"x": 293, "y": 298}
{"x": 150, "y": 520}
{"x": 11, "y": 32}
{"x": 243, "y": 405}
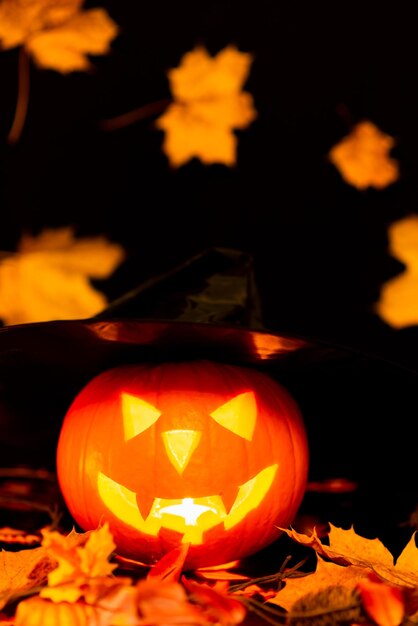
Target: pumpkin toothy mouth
{"x": 189, "y": 516}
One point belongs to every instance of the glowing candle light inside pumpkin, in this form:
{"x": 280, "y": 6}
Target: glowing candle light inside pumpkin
{"x": 188, "y": 510}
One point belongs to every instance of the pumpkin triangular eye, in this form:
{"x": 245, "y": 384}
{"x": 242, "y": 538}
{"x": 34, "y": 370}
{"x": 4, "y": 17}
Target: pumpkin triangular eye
{"x": 138, "y": 415}
{"x": 238, "y": 415}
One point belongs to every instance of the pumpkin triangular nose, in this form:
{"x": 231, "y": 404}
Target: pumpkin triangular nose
{"x": 180, "y": 445}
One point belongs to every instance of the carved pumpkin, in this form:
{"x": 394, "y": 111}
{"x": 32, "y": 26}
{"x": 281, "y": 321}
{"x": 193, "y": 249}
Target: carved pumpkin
{"x": 204, "y": 453}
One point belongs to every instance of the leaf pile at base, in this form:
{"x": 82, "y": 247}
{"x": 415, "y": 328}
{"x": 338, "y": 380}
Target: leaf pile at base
{"x": 76, "y": 579}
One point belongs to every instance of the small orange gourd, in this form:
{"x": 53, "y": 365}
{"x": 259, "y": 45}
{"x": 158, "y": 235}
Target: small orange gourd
{"x": 205, "y": 453}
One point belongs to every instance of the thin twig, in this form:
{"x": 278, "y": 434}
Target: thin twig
{"x": 22, "y": 97}
{"x": 292, "y": 572}
{"x": 126, "y": 119}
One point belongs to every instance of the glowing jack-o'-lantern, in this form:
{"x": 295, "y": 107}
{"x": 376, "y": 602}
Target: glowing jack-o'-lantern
{"x": 209, "y": 454}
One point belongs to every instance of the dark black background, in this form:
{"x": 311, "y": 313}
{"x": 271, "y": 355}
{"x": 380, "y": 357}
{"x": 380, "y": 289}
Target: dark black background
{"x": 320, "y": 246}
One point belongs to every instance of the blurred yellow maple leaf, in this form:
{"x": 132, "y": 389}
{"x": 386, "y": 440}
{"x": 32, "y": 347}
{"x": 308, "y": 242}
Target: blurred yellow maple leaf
{"x": 83, "y": 559}
{"x": 398, "y": 301}
{"x": 58, "y": 34}
{"x": 49, "y": 277}
{"x": 208, "y": 106}
{"x": 363, "y": 157}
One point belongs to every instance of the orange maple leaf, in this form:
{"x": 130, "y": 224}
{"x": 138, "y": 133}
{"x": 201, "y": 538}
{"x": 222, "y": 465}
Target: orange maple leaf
{"x": 81, "y": 588}
{"x": 346, "y": 547}
{"x": 83, "y": 563}
{"x": 49, "y": 277}
{"x": 58, "y": 34}
{"x": 21, "y": 571}
{"x": 326, "y": 574}
{"x": 398, "y": 301}
{"x": 208, "y": 106}
{"x": 362, "y": 157}
{"x": 353, "y": 575}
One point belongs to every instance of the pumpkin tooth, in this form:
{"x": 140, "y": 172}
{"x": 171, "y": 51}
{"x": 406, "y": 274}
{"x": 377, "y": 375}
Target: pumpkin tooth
{"x": 144, "y": 503}
{"x": 229, "y": 495}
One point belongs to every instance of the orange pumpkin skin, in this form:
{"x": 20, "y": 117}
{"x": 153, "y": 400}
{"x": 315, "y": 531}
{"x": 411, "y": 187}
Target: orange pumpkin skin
{"x": 142, "y": 443}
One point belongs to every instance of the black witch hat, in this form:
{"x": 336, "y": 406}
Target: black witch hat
{"x": 359, "y": 409}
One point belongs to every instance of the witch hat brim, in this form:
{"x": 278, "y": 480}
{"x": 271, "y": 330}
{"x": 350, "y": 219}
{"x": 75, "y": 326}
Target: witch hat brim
{"x": 208, "y": 307}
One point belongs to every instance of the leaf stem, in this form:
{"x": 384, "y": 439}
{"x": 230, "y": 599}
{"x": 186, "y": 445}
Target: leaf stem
{"x": 142, "y": 112}
{"x": 22, "y": 103}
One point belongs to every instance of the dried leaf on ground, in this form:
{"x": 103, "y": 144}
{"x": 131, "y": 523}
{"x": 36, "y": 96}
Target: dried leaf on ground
{"x": 353, "y": 576}
{"x": 355, "y": 580}
{"x": 335, "y": 604}
{"x": 225, "y": 571}
{"x": 22, "y": 571}
{"x": 58, "y": 34}
{"x": 166, "y": 602}
{"x": 326, "y": 575}
{"x": 220, "y": 574}
{"x": 398, "y": 301}
{"x": 50, "y": 277}
{"x": 217, "y": 605}
{"x": 170, "y": 566}
{"x": 363, "y": 157}
{"x": 349, "y": 548}
{"x": 83, "y": 560}
{"x": 81, "y": 589}
{"x": 209, "y": 105}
